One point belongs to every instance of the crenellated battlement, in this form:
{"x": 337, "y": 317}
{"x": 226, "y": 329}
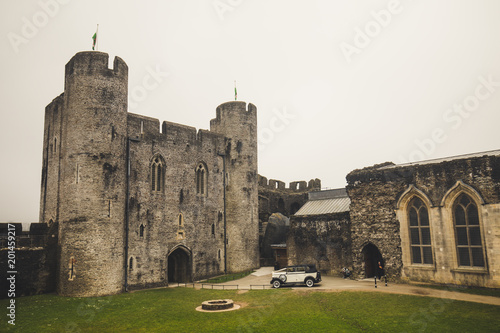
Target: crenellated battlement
{"x": 147, "y": 128}
{"x": 35, "y": 236}
{"x": 93, "y": 62}
{"x": 296, "y": 186}
{"x": 236, "y": 108}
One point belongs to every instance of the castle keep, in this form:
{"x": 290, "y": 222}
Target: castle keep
{"x": 139, "y": 207}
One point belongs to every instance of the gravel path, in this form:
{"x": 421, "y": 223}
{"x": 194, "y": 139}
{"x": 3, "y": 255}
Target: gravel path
{"x": 336, "y": 284}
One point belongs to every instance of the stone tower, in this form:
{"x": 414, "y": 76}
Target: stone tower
{"x": 89, "y": 135}
{"x": 239, "y": 125}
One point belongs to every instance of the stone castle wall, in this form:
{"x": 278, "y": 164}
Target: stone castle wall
{"x": 275, "y": 197}
{"x": 116, "y": 230}
{"x": 323, "y": 240}
{"x": 379, "y": 197}
{"x": 181, "y": 149}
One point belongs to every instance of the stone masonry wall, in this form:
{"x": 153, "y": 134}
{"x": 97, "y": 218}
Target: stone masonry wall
{"x": 118, "y": 230}
{"x": 375, "y": 192}
{"x": 323, "y": 240}
{"x": 83, "y": 175}
{"x": 275, "y": 197}
{"x": 182, "y": 149}
{"x": 237, "y": 121}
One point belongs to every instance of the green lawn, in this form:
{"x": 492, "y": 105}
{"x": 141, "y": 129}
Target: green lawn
{"x": 281, "y": 310}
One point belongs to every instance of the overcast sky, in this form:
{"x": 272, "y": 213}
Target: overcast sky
{"x": 338, "y": 85}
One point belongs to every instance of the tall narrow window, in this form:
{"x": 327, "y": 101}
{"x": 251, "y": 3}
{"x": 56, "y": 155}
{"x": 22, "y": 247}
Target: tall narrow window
{"x": 180, "y": 227}
{"x": 131, "y": 264}
{"x": 77, "y": 175}
{"x": 141, "y": 230}
{"x": 420, "y": 232}
{"x": 201, "y": 179}
{"x": 157, "y": 174}
{"x": 467, "y": 232}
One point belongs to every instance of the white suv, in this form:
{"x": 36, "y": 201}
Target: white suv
{"x": 307, "y": 274}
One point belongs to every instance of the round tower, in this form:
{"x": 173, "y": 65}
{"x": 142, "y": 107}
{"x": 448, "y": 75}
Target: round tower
{"x": 238, "y": 123}
{"x": 92, "y": 186}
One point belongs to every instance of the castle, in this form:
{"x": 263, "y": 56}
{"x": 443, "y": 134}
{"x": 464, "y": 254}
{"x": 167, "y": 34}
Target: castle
{"x": 137, "y": 207}
{"x": 125, "y": 205}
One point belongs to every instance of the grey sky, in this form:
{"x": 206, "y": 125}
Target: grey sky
{"x": 338, "y": 85}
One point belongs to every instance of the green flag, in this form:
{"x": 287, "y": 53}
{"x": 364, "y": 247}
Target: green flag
{"x": 94, "y": 39}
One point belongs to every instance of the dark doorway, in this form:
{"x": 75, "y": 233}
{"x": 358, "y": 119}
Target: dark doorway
{"x": 371, "y": 256}
{"x": 281, "y": 206}
{"x": 294, "y": 208}
{"x": 179, "y": 267}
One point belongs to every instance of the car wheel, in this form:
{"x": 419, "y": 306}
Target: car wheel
{"x": 309, "y": 283}
{"x": 283, "y": 278}
{"x": 276, "y": 283}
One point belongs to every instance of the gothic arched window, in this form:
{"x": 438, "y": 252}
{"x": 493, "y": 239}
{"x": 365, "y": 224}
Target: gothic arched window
{"x": 157, "y": 174}
{"x": 467, "y": 232}
{"x": 420, "y": 232}
{"x": 201, "y": 179}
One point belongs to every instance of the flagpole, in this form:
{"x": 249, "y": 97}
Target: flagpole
{"x": 97, "y": 38}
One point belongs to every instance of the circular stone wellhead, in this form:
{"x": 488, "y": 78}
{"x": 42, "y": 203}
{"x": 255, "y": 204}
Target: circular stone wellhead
{"x": 220, "y": 304}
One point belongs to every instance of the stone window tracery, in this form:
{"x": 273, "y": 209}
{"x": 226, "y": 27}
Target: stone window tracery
{"x": 201, "y": 179}
{"x": 467, "y": 232}
{"x": 157, "y": 174}
{"x": 420, "y": 232}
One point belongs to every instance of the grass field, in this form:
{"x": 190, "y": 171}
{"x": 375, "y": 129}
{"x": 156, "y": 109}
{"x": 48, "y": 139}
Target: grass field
{"x": 281, "y": 310}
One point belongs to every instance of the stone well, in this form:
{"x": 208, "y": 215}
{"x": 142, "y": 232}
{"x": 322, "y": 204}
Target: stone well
{"x": 217, "y": 305}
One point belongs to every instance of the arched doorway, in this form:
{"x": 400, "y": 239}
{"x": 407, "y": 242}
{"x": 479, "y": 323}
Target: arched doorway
{"x": 371, "y": 257}
{"x": 179, "y": 265}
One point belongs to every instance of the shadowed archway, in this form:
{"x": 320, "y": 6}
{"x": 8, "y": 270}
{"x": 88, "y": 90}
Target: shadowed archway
{"x": 179, "y": 265}
{"x": 371, "y": 257}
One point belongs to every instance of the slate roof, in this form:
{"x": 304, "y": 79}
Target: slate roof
{"x": 326, "y": 202}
